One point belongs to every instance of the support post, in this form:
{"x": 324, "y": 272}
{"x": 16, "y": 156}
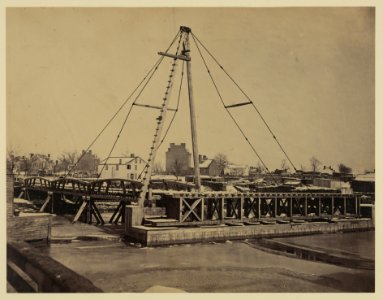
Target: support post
{"x": 222, "y": 209}
{"x": 242, "y": 200}
{"x": 180, "y": 202}
{"x": 345, "y": 205}
{"x": 202, "y": 209}
{"x": 275, "y": 206}
{"x": 357, "y": 206}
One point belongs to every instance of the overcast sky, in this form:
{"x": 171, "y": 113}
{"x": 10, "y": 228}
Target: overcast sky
{"x": 310, "y": 71}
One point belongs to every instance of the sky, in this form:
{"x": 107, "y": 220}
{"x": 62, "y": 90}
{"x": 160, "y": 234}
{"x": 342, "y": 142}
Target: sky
{"x": 309, "y": 71}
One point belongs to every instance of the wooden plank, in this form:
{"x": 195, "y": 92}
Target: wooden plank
{"x": 79, "y": 212}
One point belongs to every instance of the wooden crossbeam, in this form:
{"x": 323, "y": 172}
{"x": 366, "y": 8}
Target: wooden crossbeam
{"x": 79, "y": 212}
{"x": 116, "y": 211}
{"x": 191, "y": 209}
{"x": 97, "y": 213}
{"x": 47, "y": 199}
{"x": 238, "y": 104}
{"x": 153, "y": 106}
{"x": 251, "y": 208}
{"x": 181, "y": 57}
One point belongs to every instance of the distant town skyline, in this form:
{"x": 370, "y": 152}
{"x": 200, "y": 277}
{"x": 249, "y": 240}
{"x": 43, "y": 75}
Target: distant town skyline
{"x": 310, "y": 71}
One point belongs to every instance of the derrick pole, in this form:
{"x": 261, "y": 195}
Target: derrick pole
{"x": 186, "y": 51}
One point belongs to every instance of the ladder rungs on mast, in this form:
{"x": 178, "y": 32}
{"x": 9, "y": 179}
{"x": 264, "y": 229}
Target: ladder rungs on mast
{"x": 238, "y": 104}
{"x": 152, "y": 106}
{"x": 181, "y": 57}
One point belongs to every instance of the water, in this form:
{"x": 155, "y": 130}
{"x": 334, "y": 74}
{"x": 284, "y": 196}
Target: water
{"x": 216, "y": 267}
{"x": 358, "y": 243}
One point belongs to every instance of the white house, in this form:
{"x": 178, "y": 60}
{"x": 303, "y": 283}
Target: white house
{"x": 122, "y": 167}
{"x": 236, "y": 170}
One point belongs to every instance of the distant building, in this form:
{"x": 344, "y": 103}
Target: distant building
{"x": 236, "y": 170}
{"x": 209, "y": 167}
{"x": 178, "y": 159}
{"x": 364, "y": 183}
{"x": 333, "y": 183}
{"x": 40, "y": 165}
{"x": 122, "y": 167}
{"x": 89, "y": 163}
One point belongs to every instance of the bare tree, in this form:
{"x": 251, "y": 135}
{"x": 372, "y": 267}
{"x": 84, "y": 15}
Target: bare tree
{"x": 67, "y": 159}
{"x": 259, "y": 168}
{"x": 314, "y": 163}
{"x": 222, "y": 161}
{"x": 177, "y": 168}
{"x": 158, "y": 168}
{"x": 344, "y": 169}
{"x": 284, "y": 165}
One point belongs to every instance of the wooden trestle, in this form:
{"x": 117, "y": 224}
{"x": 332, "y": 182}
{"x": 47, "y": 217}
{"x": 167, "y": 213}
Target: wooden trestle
{"x": 184, "y": 209}
{"x": 192, "y": 208}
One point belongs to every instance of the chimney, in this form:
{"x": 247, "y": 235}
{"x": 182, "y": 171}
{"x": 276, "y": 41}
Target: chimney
{"x": 200, "y": 158}
{"x": 132, "y": 155}
{"x": 31, "y": 155}
{"x": 49, "y": 155}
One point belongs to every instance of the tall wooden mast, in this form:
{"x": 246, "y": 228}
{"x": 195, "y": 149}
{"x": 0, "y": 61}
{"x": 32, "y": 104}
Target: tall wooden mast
{"x": 186, "y": 52}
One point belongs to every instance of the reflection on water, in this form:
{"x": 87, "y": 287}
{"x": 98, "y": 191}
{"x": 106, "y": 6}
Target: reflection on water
{"x": 360, "y": 243}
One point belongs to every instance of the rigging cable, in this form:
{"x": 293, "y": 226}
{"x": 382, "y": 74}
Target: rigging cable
{"x": 230, "y": 114}
{"x": 247, "y": 97}
{"x": 152, "y": 69}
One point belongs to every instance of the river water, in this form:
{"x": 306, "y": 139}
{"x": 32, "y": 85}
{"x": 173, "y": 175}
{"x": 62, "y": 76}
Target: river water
{"x": 217, "y": 267}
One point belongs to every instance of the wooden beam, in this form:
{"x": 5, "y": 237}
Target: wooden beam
{"x": 47, "y": 199}
{"x": 238, "y": 104}
{"x": 153, "y": 106}
{"x": 222, "y": 209}
{"x": 191, "y": 209}
{"x": 181, "y": 57}
{"x": 79, "y": 212}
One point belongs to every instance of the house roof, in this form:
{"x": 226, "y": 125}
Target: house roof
{"x": 369, "y": 177}
{"x": 206, "y": 163}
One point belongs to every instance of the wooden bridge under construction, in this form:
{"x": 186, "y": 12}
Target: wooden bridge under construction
{"x": 183, "y": 208}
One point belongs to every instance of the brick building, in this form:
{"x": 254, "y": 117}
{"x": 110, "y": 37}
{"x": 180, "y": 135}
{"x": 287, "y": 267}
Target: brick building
{"x": 88, "y": 163}
{"x": 178, "y": 159}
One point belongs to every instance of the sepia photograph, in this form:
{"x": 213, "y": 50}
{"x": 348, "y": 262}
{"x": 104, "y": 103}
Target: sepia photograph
{"x": 190, "y": 149}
